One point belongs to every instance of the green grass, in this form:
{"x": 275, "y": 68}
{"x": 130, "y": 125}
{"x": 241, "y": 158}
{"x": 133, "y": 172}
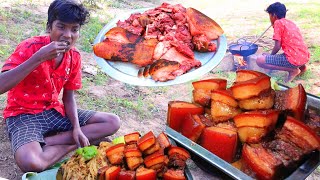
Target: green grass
{"x": 118, "y": 105}
{"x": 100, "y": 78}
{"x": 315, "y": 54}
{"x": 3, "y": 100}
{"x": 307, "y": 13}
{"x": 136, "y": 104}
{"x": 5, "y": 51}
{"x": 14, "y": 28}
{"x": 89, "y": 32}
{"x": 311, "y": 13}
{"x": 86, "y": 83}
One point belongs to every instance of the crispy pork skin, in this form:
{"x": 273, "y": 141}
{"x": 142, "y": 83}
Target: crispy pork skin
{"x": 186, "y": 63}
{"x": 121, "y": 35}
{"x": 108, "y": 49}
{"x": 162, "y": 70}
{"x": 143, "y": 53}
{"x": 199, "y": 24}
{"x": 261, "y": 161}
{"x": 292, "y": 100}
{"x": 121, "y": 45}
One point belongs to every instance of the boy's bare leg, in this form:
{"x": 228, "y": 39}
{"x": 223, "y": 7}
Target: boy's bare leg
{"x": 98, "y": 126}
{"x": 293, "y": 72}
{"x": 32, "y": 157}
{"x": 303, "y": 69}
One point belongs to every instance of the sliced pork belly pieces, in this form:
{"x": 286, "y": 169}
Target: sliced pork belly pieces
{"x": 186, "y": 63}
{"x": 172, "y": 64}
{"x": 162, "y": 70}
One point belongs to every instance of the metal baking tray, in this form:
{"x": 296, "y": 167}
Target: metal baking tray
{"x": 51, "y": 174}
{"x": 216, "y": 163}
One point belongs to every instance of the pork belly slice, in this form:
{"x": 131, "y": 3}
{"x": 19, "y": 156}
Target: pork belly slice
{"x": 287, "y": 152}
{"x": 173, "y": 63}
{"x": 199, "y": 24}
{"x": 121, "y": 35}
{"x": 186, "y": 63}
{"x": 161, "y": 70}
{"x": 109, "y": 50}
{"x": 140, "y": 53}
{"x": 143, "y": 53}
{"x": 161, "y": 48}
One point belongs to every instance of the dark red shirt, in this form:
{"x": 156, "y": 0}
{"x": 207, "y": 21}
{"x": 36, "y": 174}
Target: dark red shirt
{"x": 40, "y": 90}
{"x": 291, "y": 41}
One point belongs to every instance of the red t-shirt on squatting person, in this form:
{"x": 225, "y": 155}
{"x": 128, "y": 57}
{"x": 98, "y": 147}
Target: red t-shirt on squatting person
{"x": 291, "y": 41}
{"x": 40, "y": 90}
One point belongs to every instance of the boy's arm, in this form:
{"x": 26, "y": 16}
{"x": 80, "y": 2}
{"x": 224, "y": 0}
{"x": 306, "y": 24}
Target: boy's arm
{"x": 11, "y": 78}
{"x": 276, "y": 47}
{"x": 71, "y": 111}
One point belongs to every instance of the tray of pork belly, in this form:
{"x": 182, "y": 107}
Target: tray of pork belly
{"x": 251, "y": 129}
{"x": 161, "y": 46}
{"x": 132, "y": 156}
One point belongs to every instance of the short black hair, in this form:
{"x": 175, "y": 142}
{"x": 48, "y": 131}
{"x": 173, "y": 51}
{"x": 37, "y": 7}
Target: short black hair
{"x": 68, "y": 11}
{"x": 277, "y": 9}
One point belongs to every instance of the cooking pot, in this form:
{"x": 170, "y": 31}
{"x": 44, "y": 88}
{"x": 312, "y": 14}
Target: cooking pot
{"x": 243, "y": 48}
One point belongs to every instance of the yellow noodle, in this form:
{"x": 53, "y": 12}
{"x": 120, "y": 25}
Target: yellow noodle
{"x": 77, "y": 168}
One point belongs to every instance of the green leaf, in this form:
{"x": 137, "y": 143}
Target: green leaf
{"x": 87, "y": 152}
{"x": 274, "y": 84}
{"x": 118, "y": 140}
{"x": 79, "y": 151}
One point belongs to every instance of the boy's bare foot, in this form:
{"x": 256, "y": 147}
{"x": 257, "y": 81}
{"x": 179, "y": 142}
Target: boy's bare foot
{"x": 293, "y": 74}
{"x": 302, "y": 69}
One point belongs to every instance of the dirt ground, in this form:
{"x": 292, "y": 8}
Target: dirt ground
{"x": 233, "y": 16}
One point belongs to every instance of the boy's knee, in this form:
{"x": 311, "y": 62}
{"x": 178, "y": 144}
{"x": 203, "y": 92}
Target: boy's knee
{"x": 110, "y": 120}
{"x": 260, "y": 59}
{"x": 115, "y": 122}
{"x": 30, "y": 164}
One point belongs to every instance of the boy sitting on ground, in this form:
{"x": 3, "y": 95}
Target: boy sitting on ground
{"x": 42, "y": 130}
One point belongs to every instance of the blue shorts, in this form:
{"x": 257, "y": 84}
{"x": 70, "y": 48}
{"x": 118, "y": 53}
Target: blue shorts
{"x": 26, "y": 128}
{"x": 279, "y": 60}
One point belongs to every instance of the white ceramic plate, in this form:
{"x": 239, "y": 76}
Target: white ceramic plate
{"x": 128, "y": 72}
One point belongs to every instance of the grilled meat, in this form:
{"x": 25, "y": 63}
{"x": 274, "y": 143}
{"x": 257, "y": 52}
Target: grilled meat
{"x": 169, "y": 32}
{"x": 121, "y": 45}
{"x": 201, "y": 24}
